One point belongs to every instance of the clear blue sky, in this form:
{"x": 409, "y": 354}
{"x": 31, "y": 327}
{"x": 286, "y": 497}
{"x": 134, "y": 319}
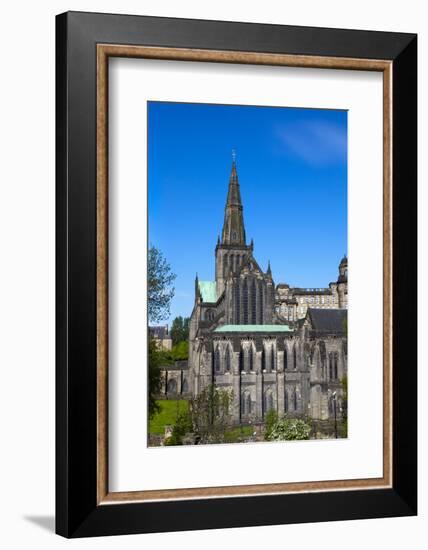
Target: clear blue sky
{"x": 292, "y": 169}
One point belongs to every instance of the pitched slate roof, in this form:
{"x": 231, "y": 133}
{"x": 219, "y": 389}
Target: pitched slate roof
{"x": 208, "y": 291}
{"x": 160, "y": 332}
{"x": 328, "y": 320}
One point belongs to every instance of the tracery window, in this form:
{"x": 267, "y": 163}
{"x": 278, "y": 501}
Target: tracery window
{"x": 217, "y": 359}
{"x": 237, "y": 303}
{"x": 250, "y": 358}
{"x": 263, "y": 359}
{"x": 246, "y": 403}
{"x": 253, "y": 301}
{"x": 245, "y": 301}
{"x": 241, "y": 361}
{"x": 172, "y": 386}
{"x": 269, "y": 403}
{"x": 227, "y": 359}
{"x": 261, "y": 305}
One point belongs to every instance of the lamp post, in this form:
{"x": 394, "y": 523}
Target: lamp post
{"x": 333, "y": 396}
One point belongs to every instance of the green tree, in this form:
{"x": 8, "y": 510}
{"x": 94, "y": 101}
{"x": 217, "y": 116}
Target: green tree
{"x": 210, "y": 414}
{"x": 288, "y": 429}
{"x": 186, "y": 328}
{"x": 159, "y": 286}
{"x": 182, "y": 426}
{"x": 180, "y": 330}
{"x": 156, "y": 360}
{"x": 180, "y": 352}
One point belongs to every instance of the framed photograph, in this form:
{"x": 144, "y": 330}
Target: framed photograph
{"x": 236, "y": 274}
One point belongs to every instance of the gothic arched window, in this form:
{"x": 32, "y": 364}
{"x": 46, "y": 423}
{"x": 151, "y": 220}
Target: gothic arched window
{"x": 272, "y": 358}
{"x": 172, "y": 386}
{"x": 269, "y": 404}
{"x": 263, "y": 359}
{"x": 246, "y": 403}
{"x": 261, "y": 305}
{"x": 184, "y": 387}
{"x": 253, "y": 301}
{"x": 335, "y": 366}
{"x": 330, "y": 366}
{"x": 245, "y": 301}
{"x": 241, "y": 361}
{"x": 227, "y": 359}
{"x": 237, "y": 303}
{"x": 232, "y": 262}
{"x": 285, "y": 359}
{"x": 217, "y": 359}
{"x": 294, "y": 357}
{"x": 250, "y": 358}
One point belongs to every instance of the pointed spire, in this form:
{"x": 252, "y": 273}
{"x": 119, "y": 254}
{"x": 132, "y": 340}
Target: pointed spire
{"x": 196, "y": 286}
{"x": 233, "y": 227}
{"x": 269, "y": 271}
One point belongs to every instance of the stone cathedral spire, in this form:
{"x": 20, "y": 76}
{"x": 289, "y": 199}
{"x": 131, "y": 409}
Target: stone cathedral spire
{"x": 233, "y": 227}
{"x": 231, "y": 251}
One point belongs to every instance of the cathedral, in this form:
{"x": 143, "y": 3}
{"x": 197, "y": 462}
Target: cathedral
{"x": 277, "y": 347}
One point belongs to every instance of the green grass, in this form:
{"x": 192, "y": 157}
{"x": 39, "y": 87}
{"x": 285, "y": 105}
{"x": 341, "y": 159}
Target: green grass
{"x": 167, "y": 415}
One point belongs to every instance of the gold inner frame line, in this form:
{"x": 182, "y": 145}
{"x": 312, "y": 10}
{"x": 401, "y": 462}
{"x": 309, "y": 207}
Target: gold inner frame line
{"x": 104, "y": 51}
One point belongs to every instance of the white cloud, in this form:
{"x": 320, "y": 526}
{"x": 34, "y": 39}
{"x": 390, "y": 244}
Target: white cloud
{"x": 315, "y": 142}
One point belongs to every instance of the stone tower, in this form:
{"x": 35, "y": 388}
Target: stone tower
{"x": 342, "y": 283}
{"x": 232, "y": 250}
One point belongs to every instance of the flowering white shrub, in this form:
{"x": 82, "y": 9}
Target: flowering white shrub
{"x": 289, "y": 429}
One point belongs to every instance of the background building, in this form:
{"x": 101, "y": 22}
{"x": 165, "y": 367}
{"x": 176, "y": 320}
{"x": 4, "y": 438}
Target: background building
{"x": 162, "y": 337}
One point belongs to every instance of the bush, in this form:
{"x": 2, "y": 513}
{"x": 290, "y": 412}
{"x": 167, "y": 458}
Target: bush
{"x": 270, "y": 421}
{"x": 289, "y": 429}
{"x": 236, "y": 435}
{"x": 180, "y": 352}
{"x": 182, "y": 426}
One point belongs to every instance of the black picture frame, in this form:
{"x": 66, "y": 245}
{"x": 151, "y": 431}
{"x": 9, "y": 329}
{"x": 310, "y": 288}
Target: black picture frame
{"x": 77, "y": 511}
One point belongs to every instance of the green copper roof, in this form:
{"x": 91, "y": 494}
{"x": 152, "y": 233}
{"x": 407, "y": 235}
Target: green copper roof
{"x": 208, "y": 291}
{"x": 254, "y": 328}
